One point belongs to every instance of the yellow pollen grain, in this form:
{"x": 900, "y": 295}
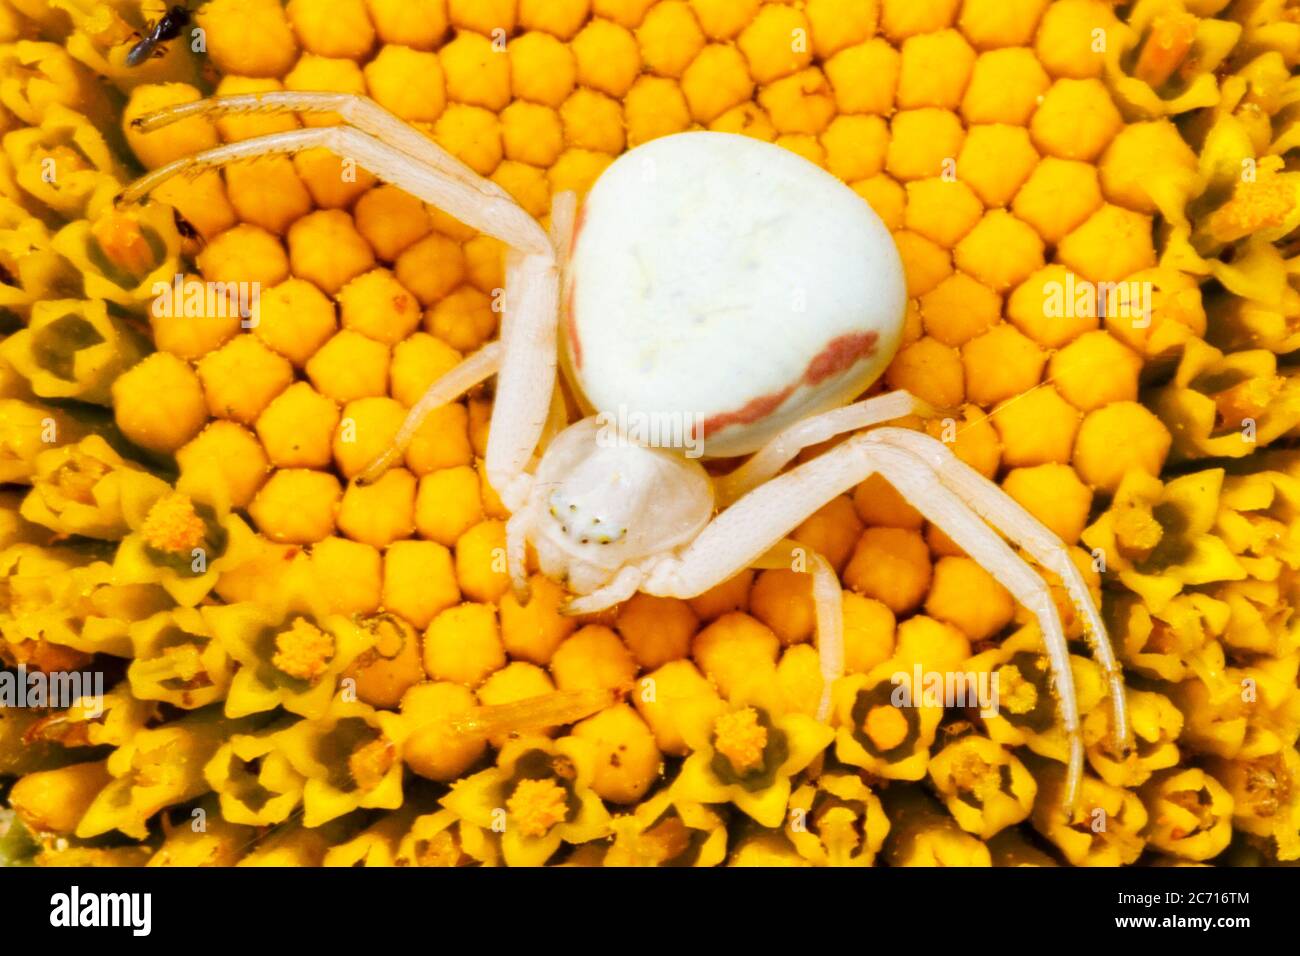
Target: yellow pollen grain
{"x": 185, "y": 661}
{"x": 1137, "y": 529}
{"x": 885, "y": 726}
{"x": 1015, "y": 694}
{"x": 740, "y": 738}
{"x": 974, "y": 775}
{"x": 153, "y": 768}
{"x": 370, "y": 763}
{"x": 1262, "y": 204}
{"x": 172, "y": 525}
{"x": 439, "y": 850}
{"x": 537, "y": 805}
{"x": 838, "y": 825}
{"x": 303, "y": 651}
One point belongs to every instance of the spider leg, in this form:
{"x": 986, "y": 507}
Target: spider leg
{"x": 742, "y": 533}
{"x": 564, "y": 217}
{"x": 517, "y": 556}
{"x": 532, "y": 713}
{"x": 626, "y": 583}
{"x": 402, "y": 156}
{"x": 527, "y": 377}
{"x": 781, "y": 450}
{"x": 529, "y": 360}
{"x": 1006, "y": 515}
{"x": 914, "y": 480}
{"x": 368, "y": 117}
{"x": 526, "y": 373}
{"x": 478, "y": 367}
{"x": 828, "y": 611}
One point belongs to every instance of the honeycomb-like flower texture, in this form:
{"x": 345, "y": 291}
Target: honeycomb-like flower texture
{"x": 986, "y": 134}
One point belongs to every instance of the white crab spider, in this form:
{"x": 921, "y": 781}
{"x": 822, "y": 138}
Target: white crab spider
{"x": 711, "y": 277}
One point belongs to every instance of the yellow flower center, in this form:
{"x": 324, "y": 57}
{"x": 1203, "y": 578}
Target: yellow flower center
{"x": 1257, "y": 205}
{"x": 123, "y": 243}
{"x": 303, "y": 651}
{"x": 66, "y": 159}
{"x": 1265, "y": 787}
{"x": 1136, "y": 529}
{"x": 976, "y": 776}
{"x": 537, "y": 805}
{"x": 1015, "y": 694}
{"x": 1197, "y": 816}
{"x": 1249, "y": 399}
{"x": 740, "y": 738}
{"x": 885, "y": 726}
{"x": 370, "y": 764}
{"x": 77, "y": 478}
{"x": 172, "y": 525}
{"x": 653, "y": 847}
{"x": 439, "y": 850}
{"x": 838, "y": 827}
{"x": 186, "y": 664}
{"x": 155, "y": 768}
{"x": 1166, "y": 46}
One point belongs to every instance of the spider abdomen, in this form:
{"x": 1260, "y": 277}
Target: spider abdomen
{"x": 729, "y": 284}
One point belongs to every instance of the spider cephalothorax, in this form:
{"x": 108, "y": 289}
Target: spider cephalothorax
{"x": 586, "y": 512}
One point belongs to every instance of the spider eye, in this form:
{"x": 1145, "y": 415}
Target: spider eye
{"x": 579, "y": 524}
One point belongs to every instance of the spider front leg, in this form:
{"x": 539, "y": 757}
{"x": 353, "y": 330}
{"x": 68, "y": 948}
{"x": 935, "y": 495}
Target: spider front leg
{"x": 529, "y": 359}
{"x": 741, "y": 534}
{"x": 525, "y": 359}
{"x": 1005, "y": 514}
{"x": 476, "y": 201}
{"x": 624, "y": 584}
{"x": 1024, "y": 530}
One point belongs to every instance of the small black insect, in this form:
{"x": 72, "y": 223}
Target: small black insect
{"x": 168, "y": 27}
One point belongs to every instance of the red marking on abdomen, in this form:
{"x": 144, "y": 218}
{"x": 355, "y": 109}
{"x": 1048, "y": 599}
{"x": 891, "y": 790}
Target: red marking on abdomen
{"x": 839, "y": 355}
{"x": 753, "y": 410}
